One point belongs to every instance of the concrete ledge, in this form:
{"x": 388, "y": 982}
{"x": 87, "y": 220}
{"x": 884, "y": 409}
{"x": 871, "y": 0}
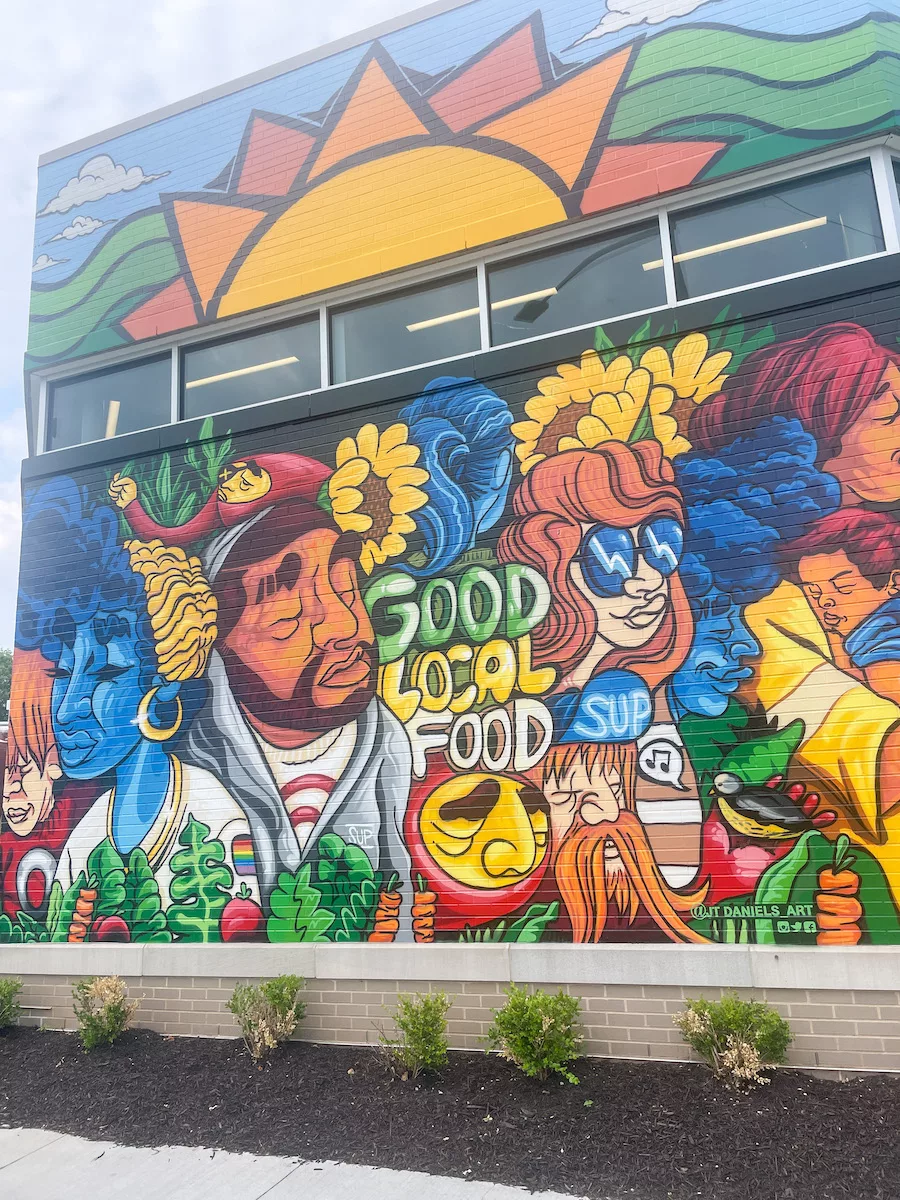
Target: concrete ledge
{"x": 857, "y": 969}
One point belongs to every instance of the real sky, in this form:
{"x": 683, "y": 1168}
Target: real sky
{"x": 68, "y": 70}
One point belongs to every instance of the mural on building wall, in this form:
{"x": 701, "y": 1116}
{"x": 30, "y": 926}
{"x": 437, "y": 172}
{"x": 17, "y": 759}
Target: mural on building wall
{"x": 437, "y": 139}
{"x": 604, "y": 652}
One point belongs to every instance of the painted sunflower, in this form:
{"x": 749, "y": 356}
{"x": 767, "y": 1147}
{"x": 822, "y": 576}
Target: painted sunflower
{"x": 376, "y": 489}
{"x": 582, "y": 406}
{"x": 691, "y": 372}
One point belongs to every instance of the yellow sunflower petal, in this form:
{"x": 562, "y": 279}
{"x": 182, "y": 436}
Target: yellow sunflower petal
{"x": 345, "y": 451}
{"x": 353, "y": 522}
{"x": 366, "y": 558}
{"x": 714, "y": 365}
{"x": 687, "y": 358}
{"x": 393, "y": 543}
{"x": 541, "y": 409}
{"x": 526, "y": 431}
{"x": 406, "y": 477}
{"x": 637, "y": 385}
{"x": 407, "y": 499}
{"x": 531, "y": 461}
{"x": 400, "y": 456}
{"x": 592, "y": 431}
{"x": 705, "y": 390}
{"x": 617, "y": 372}
{"x": 524, "y": 450}
{"x": 367, "y": 442}
{"x": 394, "y": 436}
{"x": 569, "y": 443}
{"x": 403, "y": 523}
{"x": 657, "y": 362}
{"x": 661, "y": 399}
{"x": 354, "y": 472}
{"x": 346, "y": 500}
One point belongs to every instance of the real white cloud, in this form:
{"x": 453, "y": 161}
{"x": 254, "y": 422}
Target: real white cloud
{"x": 620, "y": 14}
{"x": 99, "y": 177}
{"x": 43, "y": 261}
{"x": 80, "y": 227}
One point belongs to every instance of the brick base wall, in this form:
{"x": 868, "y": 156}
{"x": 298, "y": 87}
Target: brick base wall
{"x": 835, "y": 1030}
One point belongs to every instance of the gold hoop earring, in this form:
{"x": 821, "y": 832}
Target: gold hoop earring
{"x": 149, "y": 731}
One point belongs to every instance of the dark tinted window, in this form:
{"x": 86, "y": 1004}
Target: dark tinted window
{"x": 404, "y": 329}
{"x": 776, "y": 231}
{"x": 106, "y": 403}
{"x": 248, "y": 370}
{"x": 588, "y": 281}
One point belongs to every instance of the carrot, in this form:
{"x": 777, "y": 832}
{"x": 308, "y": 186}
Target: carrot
{"x": 838, "y": 910}
{"x": 423, "y": 911}
{"x": 83, "y": 915}
{"x": 387, "y": 914}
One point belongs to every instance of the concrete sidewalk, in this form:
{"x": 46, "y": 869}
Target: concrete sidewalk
{"x": 36, "y": 1164}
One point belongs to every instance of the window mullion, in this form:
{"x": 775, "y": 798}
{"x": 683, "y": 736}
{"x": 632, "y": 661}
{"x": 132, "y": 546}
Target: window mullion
{"x": 665, "y": 241}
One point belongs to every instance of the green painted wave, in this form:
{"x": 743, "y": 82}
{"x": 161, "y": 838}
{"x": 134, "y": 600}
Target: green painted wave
{"x": 848, "y": 103}
{"x": 129, "y": 266}
{"x": 769, "y": 58}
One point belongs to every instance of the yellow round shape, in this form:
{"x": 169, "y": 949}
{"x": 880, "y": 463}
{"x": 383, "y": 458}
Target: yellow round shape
{"x": 392, "y": 212}
{"x": 149, "y": 731}
{"x": 486, "y": 831}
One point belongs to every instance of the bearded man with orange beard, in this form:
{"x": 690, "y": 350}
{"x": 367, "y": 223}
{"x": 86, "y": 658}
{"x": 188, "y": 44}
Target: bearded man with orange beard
{"x": 605, "y": 869}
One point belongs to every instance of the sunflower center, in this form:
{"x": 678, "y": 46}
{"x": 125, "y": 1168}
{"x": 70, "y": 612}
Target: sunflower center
{"x": 564, "y": 424}
{"x": 377, "y": 503}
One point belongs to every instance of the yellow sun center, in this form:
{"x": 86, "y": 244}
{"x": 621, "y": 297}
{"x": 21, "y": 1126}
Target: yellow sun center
{"x": 390, "y": 213}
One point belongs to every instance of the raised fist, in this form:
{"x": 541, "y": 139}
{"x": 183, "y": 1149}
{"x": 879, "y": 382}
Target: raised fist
{"x": 122, "y": 490}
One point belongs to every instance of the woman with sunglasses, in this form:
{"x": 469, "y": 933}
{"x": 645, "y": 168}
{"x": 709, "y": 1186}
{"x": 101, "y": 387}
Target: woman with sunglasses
{"x": 606, "y": 528}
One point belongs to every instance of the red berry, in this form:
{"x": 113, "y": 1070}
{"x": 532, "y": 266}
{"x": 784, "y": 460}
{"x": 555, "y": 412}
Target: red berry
{"x": 242, "y": 919}
{"x": 110, "y": 929}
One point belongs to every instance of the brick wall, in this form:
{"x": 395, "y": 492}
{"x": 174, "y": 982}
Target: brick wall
{"x": 833, "y": 1030}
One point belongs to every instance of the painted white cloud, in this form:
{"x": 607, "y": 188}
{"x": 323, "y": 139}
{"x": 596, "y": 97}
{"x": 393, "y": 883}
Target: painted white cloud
{"x": 622, "y": 13}
{"x": 43, "y": 261}
{"x": 80, "y": 227}
{"x": 99, "y": 177}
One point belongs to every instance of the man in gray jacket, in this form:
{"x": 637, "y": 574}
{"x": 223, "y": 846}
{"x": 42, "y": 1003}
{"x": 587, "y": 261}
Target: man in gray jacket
{"x": 292, "y": 725}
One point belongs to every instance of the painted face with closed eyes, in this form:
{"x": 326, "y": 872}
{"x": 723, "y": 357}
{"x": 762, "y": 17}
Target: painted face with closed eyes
{"x": 868, "y": 465}
{"x": 96, "y": 693}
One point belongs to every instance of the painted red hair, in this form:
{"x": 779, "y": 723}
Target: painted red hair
{"x": 825, "y": 380}
{"x": 621, "y": 486}
{"x": 870, "y": 540}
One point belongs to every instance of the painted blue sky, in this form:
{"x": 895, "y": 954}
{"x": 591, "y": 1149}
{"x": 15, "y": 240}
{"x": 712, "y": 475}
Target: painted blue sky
{"x": 213, "y": 131}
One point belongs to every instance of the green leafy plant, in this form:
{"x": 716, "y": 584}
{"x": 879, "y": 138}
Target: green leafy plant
{"x": 529, "y": 928}
{"x": 142, "y": 907}
{"x": 297, "y": 914}
{"x": 172, "y": 494}
{"x": 348, "y": 888}
{"x": 421, "y": 1041}
{"x": 22, "y": 930}
{"x": 9, "y": 1004}
{"x": 737, "y": 1038}
{"x": 102, "y": 1009}
{"x": 538, "y": 1032}
{"x": 268, "y": 1013}
{"x": 200, "y": 887}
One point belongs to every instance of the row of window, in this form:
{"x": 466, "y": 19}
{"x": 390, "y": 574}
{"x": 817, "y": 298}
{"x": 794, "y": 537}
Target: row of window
{"x": 782, "y": 230}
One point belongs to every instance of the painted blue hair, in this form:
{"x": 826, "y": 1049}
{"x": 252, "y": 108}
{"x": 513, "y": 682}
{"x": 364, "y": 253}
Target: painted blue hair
{"x": 75, "y": 570}
{"x": 760, "y": 490}
{"x": 462, "y": 430}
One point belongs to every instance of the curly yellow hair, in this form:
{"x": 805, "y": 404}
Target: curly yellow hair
{"x": 181, "y": 607}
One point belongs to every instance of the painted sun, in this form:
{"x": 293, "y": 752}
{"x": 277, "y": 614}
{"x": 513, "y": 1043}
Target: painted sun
{"x": 309, "y": 204}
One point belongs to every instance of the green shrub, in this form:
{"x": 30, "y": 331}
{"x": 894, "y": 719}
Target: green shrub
{"x": 103, "y": 1010}
{"x": 538, "y": 1032}
{"x": 9, "y": 1006}
{"x": 269, "y": 1013}
{"x": 421, "y": 1044}
{"x": 737, "y": 1038}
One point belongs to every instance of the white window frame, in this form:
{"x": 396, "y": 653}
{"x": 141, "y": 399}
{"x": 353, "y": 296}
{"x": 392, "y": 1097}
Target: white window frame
{"x": 878, "y": 153}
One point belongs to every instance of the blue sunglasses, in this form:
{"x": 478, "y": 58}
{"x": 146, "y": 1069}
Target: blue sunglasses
{"x": 608, "y": 556}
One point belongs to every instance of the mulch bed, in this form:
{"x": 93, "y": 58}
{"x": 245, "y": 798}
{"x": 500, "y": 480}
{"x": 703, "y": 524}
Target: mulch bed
{"x": 642, "y": 1131}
